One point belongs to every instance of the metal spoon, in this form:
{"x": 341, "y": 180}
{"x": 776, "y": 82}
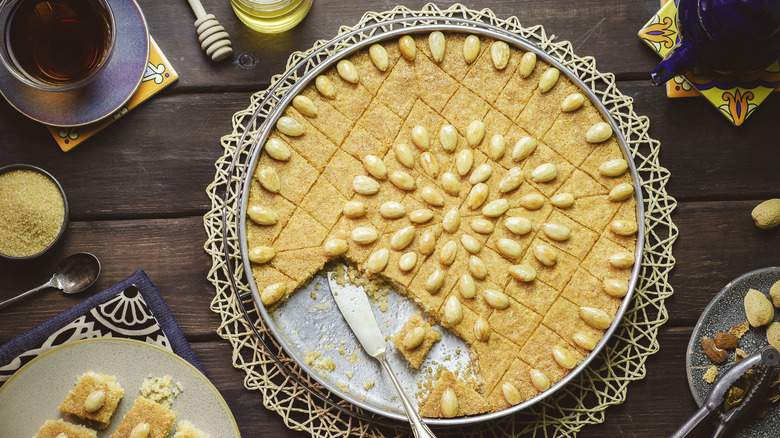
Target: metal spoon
{"x": 74, "y": 274}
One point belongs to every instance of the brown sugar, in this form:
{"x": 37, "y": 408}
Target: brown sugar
{"x": 32, "y": 212}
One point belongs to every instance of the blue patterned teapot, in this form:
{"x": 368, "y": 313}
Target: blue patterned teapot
{"x": 724, "y": 35}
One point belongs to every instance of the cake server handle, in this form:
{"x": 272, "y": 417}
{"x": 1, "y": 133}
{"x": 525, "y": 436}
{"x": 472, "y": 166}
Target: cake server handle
{"x": 419, "y": 428}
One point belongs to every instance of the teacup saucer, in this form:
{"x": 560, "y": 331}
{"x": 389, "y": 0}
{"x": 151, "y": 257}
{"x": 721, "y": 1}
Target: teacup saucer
{"x": 107, "y": 92}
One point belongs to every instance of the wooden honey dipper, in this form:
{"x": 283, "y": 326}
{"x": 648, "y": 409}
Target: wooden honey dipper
{"x": 212, "y": 36}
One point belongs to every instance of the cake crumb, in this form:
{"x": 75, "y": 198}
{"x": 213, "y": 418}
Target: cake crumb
{"x": 711, "y": 374}
{"x": 343, "y": 387}
{"x": 350, "y": 373}
{"x": 370, "y": 384}
{"x": 310, "y": 356}
{"x": 162, "y": 390}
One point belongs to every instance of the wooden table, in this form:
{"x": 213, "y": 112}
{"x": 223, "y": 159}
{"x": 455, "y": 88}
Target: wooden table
{"x": 137, "y": 190}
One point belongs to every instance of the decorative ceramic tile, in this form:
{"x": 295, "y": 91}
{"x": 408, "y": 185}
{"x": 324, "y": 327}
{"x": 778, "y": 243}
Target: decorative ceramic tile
{"x": 736, "y": 97}
{"x": 158, "y": 75}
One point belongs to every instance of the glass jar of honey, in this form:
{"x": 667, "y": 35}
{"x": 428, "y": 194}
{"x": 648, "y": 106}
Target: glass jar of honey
{"x": 271, "y": 16}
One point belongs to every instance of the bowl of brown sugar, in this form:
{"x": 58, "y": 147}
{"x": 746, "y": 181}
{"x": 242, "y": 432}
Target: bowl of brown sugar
{"x": 33, "y": 211}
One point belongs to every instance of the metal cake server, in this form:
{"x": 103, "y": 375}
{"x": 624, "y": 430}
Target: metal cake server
{"x": 353, "y": 303}
{"x": 764, "y": 362}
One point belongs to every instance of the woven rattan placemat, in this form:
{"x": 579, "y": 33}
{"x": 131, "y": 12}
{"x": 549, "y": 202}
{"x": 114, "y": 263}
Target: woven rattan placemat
{"x": 299, "y": 400}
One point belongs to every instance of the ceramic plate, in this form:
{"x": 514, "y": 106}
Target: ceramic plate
{"x": 32, "y": 395}
{"x": 108, "y": 91}
{"x": 725, "y": 311}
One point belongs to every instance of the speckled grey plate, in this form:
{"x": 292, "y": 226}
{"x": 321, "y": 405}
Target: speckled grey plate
{"x": 32, "y": 395}
{"x": 725, "y": 311}
{"x": 106, "y": 93}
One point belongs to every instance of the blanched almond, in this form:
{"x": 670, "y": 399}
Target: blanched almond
{"x": 540, "y": 381}
{"x": 448, "y": 136}
{"x": 614, "y": 168}
{"x": 420, "y": 137}
{"x": 377, "y": 261}
{"x": 523, "y": 273}
{"x": 402, "y": 238}
{"x": 544, "y": 173}
{"x": 402, "y": 180}
{"x": 420, "y": 216}
{"x": 595, "y": 318}
{"x": 435, "y": 281}
{"x": 378, "y": 56}
{"x": 392, "y": 210}
{"x": 477, "y": 268}
{"x": 481, "y": 173}
{"x": 414, "y": 338}
{"x": 499, "y": 52}
{"x": 449, "y": 403}
{"x": 622, "y": 260}
{"x": 471, "y": 243}
{"x": 511, "y": 394}
{"x": 496, "y": 299}
{"x": 549, "y": 79}
{"x": 562, "y": 200}
{"x": 511, "y": 181}
{"x": 277, "y": 149}
{"x": 429, "y": 164}
{"x": 261, "y": 254}
{"x": 518, "y": 225}
{"x": 482, "y": 226}
{"x": 556, "y": 232}
{"x": 573, "y": 102}
{"x": 584, "y": 340}
{"x": 273, "y": 293}
{"x": 347, "y": 71}
{"x": 453, "y": 310}
{"x": 621, "y": 192}
{"x": 450, "y": 183}
{"x": 407, "y": 47}
{"x": 427, "y": 242}
{"x": 335, "y": 247}
{"x": 464, "y": 161}
{"x": 477, "y": 196}
{"x": 437, "y": 44}
{"x": 448, "y": 253}
{"x": 451, "y": 220}
{"x": 471, "y": 48}
{"x": 623, "y": 227}
{"x": 482, "y": 329}
{"x": 325, "y": 86}
{"x": 305, "y": 106}
{"x": 365, "y": 185}
{"x": 615, "y": 287}
{"x": 354, "y": 209}
{"x": 546, "y": 254}
{"x": 532, "y": 201}
{"x": 497, "y": 147}
{"x": 509, "y": 248}
{"x": 289, "y": 126}
{"x": 524, "y": 148}
{"x": 466, "y": 286}
{"x": 262, "y": 215}
{"x": 495, "y": 208}
{"x": 364, "y": 235}
{"x": 527, "y": 64}
{"x": 408, "y": 261}
{"x": 598, "y": 133}
{"x": 432, "y": 196}
{"x": 269, "y": 179}
{"x": 475, "y": 132}
{"x": 94, "y": 401}
{"x": 375, "y": 166}
{"x": 564, "y": 357}
{"x": 404, "y": 155}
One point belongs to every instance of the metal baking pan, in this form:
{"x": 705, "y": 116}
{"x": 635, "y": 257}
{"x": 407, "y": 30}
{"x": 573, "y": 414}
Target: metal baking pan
{"x": 309, "y": 326}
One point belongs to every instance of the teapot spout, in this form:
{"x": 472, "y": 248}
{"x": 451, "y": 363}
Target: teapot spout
{"x": 680, "y": 59}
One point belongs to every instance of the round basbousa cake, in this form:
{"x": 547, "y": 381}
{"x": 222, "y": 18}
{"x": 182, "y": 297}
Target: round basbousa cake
{"x": 479, "y": 181}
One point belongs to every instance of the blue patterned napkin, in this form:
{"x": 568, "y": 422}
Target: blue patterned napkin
{"x": 132, "y": 308}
